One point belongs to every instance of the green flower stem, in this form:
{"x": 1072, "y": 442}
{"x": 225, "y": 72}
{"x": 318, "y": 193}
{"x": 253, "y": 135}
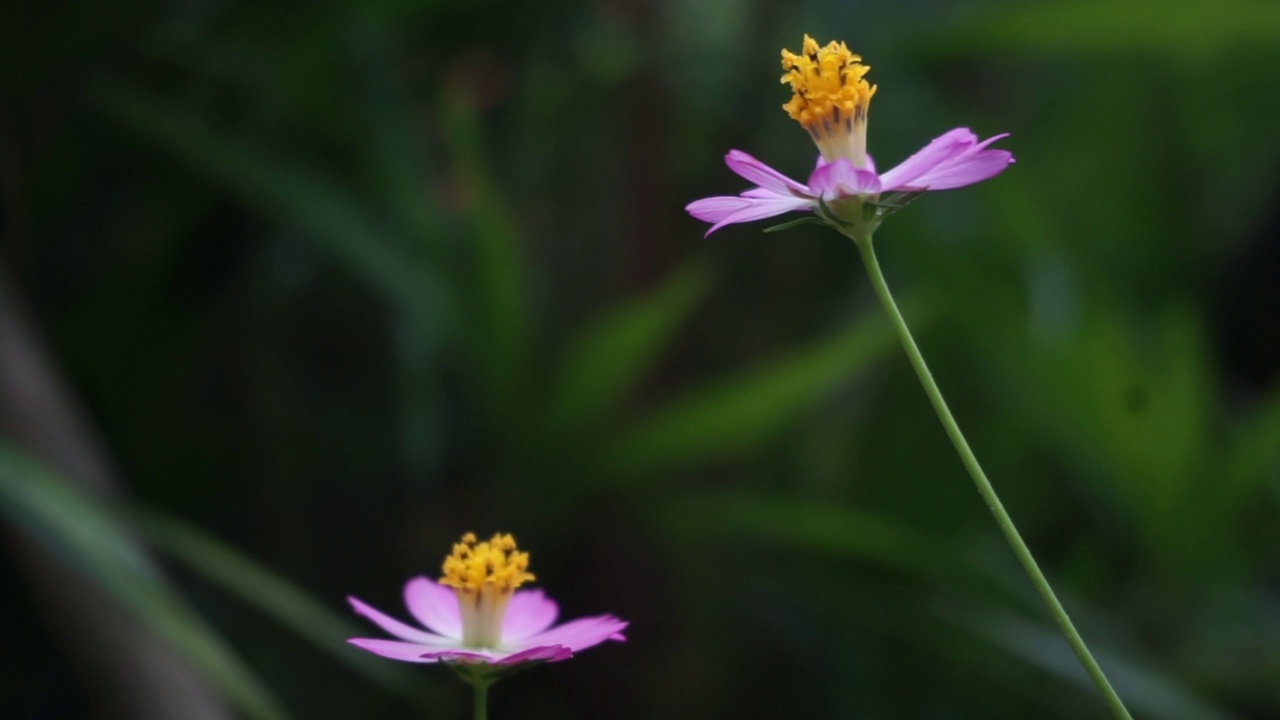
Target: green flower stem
{"x": 481, "y": 707}
{"x": 988, "y": 493}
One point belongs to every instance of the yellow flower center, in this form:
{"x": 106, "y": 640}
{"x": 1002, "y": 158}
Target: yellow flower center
{"x": 830, "y": 98}
{"x": 483, "y": 575}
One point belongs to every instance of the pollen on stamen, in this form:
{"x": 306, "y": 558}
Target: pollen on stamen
{"x": 830, "y": 97}
{"x": 496, "y": 565}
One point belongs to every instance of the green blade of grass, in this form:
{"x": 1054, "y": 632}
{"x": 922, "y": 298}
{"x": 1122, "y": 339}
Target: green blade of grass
{"x": 1146, "y": 688}
{"x": 496, "y": 280}
{"x": 809, "y": 527}
{"x": 94, "y": 540}
{"x": 274, "y": 596}
{"x": 283, "y": 190}
{"x": 606, "y": 360}
{"x": 734, "y": 414}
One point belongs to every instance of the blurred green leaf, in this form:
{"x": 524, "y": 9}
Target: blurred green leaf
{"x": 869, "y": 537}
{"x": 396, "y": 152}
{"x": 1252, "y": 455}
{"x": 502, "y": 337}
{"x": 394, "y": 144}
{"x": 94, "y": 540}
{"x": 607, "y": 358}
{"x": 736, "y": 413}
{"x": 285, "y": 191}
{"x": 1130, "y": 404}
{"x": 1187, "y": 30}
{"x": 1145, "y": 688}
{"x": 275, "y": 596}
{"x": 808, "y": 526}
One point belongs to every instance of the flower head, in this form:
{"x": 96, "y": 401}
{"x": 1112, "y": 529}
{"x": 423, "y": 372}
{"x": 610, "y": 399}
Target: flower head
{"x": 830, "y": 99}
{"x": 475, "y": 614}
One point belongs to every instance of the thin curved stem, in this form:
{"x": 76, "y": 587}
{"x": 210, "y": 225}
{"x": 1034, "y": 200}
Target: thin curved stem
{"x": 980, "y": 480}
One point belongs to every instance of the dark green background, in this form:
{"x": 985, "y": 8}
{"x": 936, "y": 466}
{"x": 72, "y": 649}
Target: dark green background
{"x": 337, "y": 282}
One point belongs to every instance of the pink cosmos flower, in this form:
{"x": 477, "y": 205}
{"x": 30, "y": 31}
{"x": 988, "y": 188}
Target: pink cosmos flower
{"x": 831, "y": 100}
{"x": 475, "y": 614}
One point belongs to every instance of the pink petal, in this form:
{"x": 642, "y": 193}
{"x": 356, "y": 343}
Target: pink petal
{"x": 763, "y": 175}
{"x": 715, "y": 209}
{"x": 434, "y": 605}
{"x": 973, "y": 165}
{"x": 578, "y": 634}
{"x": 761, "y": 208}
{"x": 840, "y": 178}
{"x": 543, "y": 653}
{"x": 941, "y": 149}
{"x": 965, "y": 171}
{"x": 397, "y": 628}
{"x": 396, "y": 650}
{"x": 529, "y": 613}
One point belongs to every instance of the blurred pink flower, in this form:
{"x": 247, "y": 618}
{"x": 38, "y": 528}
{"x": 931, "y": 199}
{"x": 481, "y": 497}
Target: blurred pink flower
{"x": 475, "y": 615}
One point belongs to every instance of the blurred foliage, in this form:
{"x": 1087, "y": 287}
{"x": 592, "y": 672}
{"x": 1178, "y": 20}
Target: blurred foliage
{"x": 341, "y": 281}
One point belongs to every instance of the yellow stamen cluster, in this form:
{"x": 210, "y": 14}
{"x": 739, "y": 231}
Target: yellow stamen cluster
{"x": 483, "y": 575}
{"x": 474, "y": 566}
{"x": 830, "y": 98}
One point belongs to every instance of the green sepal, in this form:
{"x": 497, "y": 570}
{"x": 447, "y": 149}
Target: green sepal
{"x": 481, "y": 673}
{"x": 895, "y": 202}
{"x": 831, "y": 217}
{"x": 870, "y": 211}
{"x": 793, "y": 223}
